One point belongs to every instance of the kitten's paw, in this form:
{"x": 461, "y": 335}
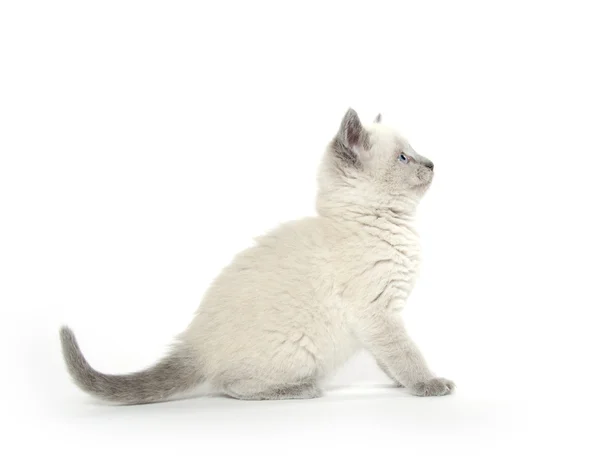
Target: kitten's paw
{"x": 434, "y": 387}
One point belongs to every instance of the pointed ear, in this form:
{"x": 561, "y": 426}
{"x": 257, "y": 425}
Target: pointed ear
{"x": 378, "y": 118}
{"x": 351, "y": 141}
{"x": 351, "y": 132}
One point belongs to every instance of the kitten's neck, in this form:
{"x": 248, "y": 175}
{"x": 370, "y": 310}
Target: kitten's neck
{"x": 401, "y": 209}
{"x": 393, "y": 225}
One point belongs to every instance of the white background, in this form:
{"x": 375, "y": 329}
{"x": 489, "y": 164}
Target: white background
{"x": 143, "y": 144}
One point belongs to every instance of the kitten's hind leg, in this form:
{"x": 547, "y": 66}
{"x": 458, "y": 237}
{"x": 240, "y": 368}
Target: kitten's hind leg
{"x": 252, "y": 389}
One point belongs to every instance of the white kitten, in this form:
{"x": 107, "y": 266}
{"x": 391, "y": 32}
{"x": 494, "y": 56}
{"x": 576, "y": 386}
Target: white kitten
{"x": 290, "y": 310}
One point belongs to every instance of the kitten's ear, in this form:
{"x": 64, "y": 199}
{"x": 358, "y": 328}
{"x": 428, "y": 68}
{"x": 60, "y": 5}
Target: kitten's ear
{"x": 351, "y": 141}
{"x": 351, "y": 132}
{"x": 378, "y": 118}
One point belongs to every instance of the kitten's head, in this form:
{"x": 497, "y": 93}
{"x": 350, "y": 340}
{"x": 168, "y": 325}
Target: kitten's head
{"x": 372, "y": 165}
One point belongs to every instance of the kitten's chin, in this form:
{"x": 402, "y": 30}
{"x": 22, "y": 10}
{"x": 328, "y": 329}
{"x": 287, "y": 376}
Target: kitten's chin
{"x": 421, "y": 189}
{"x": 423, "y": 182}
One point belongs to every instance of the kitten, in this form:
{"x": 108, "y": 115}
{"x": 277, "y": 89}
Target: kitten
{"x": 292, "y": 309}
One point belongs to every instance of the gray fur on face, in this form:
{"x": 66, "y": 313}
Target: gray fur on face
{"x": 419, "y": 158}
{"x": 292, "y": 309}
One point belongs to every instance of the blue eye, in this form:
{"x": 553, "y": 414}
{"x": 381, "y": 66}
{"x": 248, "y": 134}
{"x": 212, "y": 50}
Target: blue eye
{"x": 403, "y": 158}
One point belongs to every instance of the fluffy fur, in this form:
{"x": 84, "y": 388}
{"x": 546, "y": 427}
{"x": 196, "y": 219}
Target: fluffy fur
{"x": 292, "y": 309}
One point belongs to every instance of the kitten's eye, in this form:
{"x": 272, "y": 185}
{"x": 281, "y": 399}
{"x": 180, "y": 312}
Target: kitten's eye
{"x": 403, "y": 158}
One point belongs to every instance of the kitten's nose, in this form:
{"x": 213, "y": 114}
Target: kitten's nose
{"x": 429, "y": 164}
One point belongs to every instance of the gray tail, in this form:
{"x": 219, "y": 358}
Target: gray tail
{"x": 175, "y": 373}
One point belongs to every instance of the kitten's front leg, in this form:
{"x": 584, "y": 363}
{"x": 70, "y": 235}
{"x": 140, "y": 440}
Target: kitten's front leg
{"x": 386, "y": 338}
{"x": 387, "y": 372}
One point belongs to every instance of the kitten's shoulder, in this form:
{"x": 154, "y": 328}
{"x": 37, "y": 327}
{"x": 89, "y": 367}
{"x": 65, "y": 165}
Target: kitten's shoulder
{"x": 305, "y": 230}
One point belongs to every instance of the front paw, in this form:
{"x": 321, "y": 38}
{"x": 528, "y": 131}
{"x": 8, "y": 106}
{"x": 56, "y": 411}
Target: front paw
{"x": 433, "y": 387}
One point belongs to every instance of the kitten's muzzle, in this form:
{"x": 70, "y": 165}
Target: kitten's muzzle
{"x": 428, "y": 164}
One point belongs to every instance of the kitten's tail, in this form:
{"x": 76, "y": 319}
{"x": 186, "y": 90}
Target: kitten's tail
{"x": 175, "y": 373}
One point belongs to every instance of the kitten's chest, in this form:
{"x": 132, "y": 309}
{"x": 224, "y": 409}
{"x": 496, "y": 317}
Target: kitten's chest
{"x": 402, "y": 247}
{"x": 391, "y": 289}
{"x": 405, "y": 260}
{"x": 385, "y": 271}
